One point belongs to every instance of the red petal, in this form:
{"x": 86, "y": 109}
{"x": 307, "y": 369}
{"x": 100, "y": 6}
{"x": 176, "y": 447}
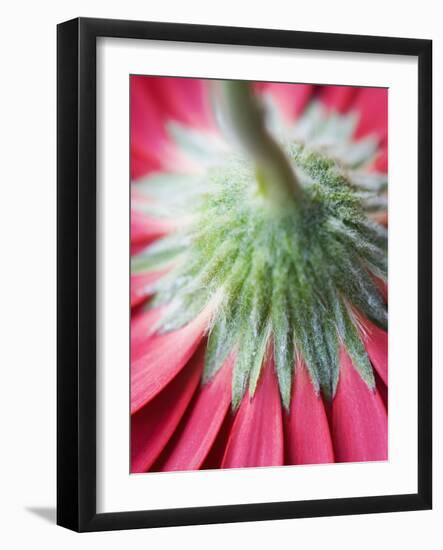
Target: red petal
{"x": 142, "y": 163}
{"x": 145, "y": 229}
{"x": 137, "y": 248}
{"x": 202, "y": 424}
{"x": 165, "y": 356}
{"x": 291, "y": 98}
{"x": 372, "y": 106}
{"x": 141, "y": 286}
{"x": 359, "y": 419}
{"x": 183, "y": 99}
{"x": 215, "y": 456}
{"x": 337, "y": 98}
{"x": 376, "y": 343}
{"x": 308, "y": 438}
{"x": 154, "y": 102}
{"x": 154, "y": 424}
{"x": 150, "y": 147}
{"x": 382, "y": 389}
{"x": 143, "y": 325}
{"x": 256, "y": 437}
{"x": 381, "y": 162}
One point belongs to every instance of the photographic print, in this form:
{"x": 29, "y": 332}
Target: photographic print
{"x": 258, "y": 274}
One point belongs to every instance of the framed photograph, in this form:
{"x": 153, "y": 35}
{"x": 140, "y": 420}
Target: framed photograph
{"x": 229, "y": 202}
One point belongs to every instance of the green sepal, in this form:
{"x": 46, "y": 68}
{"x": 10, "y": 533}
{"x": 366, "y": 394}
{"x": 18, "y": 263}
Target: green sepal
{"x": 359, "y": 153}
{"x": 182, "y": 311}
{"x": 242, "y": 367}
{"x": 220, "y": 345}
{"x": 262, "y": 344}
{"x": 170, "y": 187}
{"x": 229, "y": 323}
{"x": 196, "y": 144}
{"x": 357, "y": 352}
{"x": 377, "y": 203}
{"x": 158, "y": 254}
{"x": 370, "y": 181}
{"x": 331, "y": 135}
{"x": 161, "y": 211}
{"x": 284, "y": 351}
{"x": 324, "y": 355}
{"x": 365, "y": 295}
{"x": 252, "y": 314}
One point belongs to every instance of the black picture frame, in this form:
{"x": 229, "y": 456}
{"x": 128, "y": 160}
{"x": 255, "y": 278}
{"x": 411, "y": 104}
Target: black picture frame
{"x": 76, "y": 279}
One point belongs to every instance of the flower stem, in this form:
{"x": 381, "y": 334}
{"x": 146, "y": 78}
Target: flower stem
{"x": 246, "y": 118}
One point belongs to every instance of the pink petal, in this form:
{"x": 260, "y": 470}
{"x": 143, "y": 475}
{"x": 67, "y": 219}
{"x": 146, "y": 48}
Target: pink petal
{"x": 202, "y": 423}
{"x": 308, "y": 438}
{"x": 382, "y": 389}
{"x": 154, "y": 424}
{"x": 291, "y": 98}
{"x": 381, "y": 162}
{"x": 150, "y": 147}
{"x": 142, "y": 163}
{"x": 155, "y": 101}
{"x": 141, "y": 286}
{"x": 372, "y": 106}
{"x": 256, "y": 438}
{"x": 183, "y": 99}
{"x": 165, "y": 356}
{"x": 376, "y": 343}
{"x": 337, "y": 98}
{"x": 359, "y": 419}
{"x": 143, "y": 325}
{"x": 138, "y": 247}
{"x": 215, "y": 456}
{"x": 145, "y": 229}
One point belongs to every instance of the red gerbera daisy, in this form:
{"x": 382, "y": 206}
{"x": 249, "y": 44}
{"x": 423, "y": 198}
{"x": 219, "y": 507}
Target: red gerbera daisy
{"x": 259, "y": 267}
